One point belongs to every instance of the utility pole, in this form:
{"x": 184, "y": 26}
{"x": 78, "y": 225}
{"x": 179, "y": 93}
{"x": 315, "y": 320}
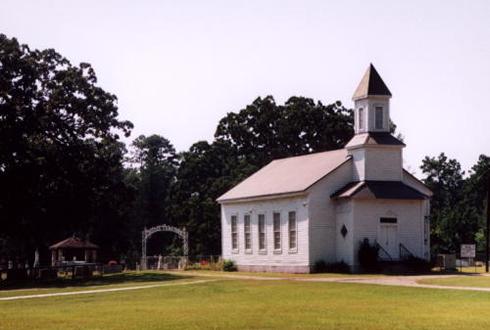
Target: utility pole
{"x": 487, "y": 246}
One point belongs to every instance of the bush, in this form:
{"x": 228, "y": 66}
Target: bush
{"x": 229, "y": 266}
{"x": 335, "y": 267}
{"x": 368, "y": 255}
{"x": 206, "y": 265}
{"x": 419, "y": 265}
{"x": 320, "y": 267}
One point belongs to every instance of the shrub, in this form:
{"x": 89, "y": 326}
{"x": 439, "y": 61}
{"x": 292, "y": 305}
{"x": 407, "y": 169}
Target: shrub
{"x": 335, "y": 267}
{"x": 229, "y": 266}
{"x": 320, "y": 267}
{"x": 419, "y": 265}
{"x": 193, "y": 266}
{"x": 217, "y": 266}
{"x": 368, "y": 255}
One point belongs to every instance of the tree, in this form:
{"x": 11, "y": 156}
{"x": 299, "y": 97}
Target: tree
{"x": 154, "y": 168}
{"x": 475, "y": 193}
{"x": 205, "y": 172}
{"x": 451, "y": 223}
{"x": 264, "y": 131}
{"x": 60, "y": 156}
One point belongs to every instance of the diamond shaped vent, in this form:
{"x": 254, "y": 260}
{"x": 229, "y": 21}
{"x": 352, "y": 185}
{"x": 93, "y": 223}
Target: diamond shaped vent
{"x": 343, "y": 231}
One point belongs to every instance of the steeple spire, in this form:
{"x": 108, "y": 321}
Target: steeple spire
{"x": 371, "y": 85}
{"x": 371, "y": 104}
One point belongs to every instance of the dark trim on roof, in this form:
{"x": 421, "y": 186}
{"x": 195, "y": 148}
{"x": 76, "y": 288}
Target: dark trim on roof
{"x": 418, "y": 180}
{"x": 380, "y": 190}
{"x": 384, "y": 138}
{"x": 374, "y": 138}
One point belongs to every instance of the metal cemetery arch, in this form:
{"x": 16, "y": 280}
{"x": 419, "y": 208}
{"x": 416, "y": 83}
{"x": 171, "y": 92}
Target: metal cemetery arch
{"x": 146, "y": 234}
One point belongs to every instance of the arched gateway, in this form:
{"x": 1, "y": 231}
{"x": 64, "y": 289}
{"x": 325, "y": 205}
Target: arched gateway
{"x": 146, "y": 234}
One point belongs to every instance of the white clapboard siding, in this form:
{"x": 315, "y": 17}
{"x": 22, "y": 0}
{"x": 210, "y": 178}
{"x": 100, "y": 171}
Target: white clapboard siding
{"x": 322, "y": 214}
{"x": 269, "y": 257}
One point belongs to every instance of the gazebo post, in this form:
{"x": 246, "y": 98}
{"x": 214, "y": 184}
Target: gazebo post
{"x": 53, "y": 257}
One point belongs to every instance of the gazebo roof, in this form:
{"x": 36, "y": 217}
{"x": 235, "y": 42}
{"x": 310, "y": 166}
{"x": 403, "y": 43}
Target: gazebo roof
{"x": 73, "y": 243}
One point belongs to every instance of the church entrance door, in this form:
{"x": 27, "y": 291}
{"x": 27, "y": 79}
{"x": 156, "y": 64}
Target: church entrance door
{"x": 388, "y": 239}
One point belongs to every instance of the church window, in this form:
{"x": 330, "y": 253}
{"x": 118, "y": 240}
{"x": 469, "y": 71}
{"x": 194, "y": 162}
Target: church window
{"x": 292, "y": 230}
{"x": 379, "y": 117}
{"x": 277, "y": 230}
{"x": 246, "y": 232}
{"x": 388, "y": 220}
{"x": 261, "y": 229}
{"x": 234, "y": 232}
{"x": 361, "y": 118}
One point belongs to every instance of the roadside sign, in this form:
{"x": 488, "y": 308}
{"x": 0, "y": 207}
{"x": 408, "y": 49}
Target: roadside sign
{"x": 468, "y": 251}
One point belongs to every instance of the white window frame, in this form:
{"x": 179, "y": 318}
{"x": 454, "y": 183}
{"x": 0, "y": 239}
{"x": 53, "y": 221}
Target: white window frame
{"x": 264, "y": 249}
{"x": 376, "y": 108}
{"x": 249, "y": 217}
{"x": 237, "y": 248}
{"x": 295, "y": 229}
{"x": 274, "y": 231}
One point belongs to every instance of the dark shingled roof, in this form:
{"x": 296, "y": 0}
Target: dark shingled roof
{"x": 73, "y": 243}
{"x": 374, "y": 138}
{"x": 379, "y": 190}
{"x": 371, "y": 84}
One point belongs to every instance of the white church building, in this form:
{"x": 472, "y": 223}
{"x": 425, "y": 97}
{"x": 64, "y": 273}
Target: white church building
{"x": 319, "y": 207}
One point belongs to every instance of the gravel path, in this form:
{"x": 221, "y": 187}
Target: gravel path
{"x": 402, "y": 280}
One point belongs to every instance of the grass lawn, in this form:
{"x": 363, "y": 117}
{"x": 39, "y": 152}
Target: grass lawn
{"x": 471, "y": 281}
{"x": 231, "y": 304}
{"x": 107, "y": 281}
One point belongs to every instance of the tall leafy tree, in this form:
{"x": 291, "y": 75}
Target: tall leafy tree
{"x": 153, "y": 171}
{"x": 451, "y": 223}
{"x": 205, "y": 172}
{"x": 60, "y": 156}
{"x": 264, "y": 131}
{"x": 476, "y": 194}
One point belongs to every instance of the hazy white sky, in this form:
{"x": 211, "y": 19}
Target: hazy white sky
{"x": 177, "y": 67}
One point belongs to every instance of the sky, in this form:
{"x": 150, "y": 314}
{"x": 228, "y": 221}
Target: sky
{"x": 178, "y": 67}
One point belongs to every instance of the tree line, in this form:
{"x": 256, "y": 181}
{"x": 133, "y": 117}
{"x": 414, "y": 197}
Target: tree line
{"x": 64, "y": 169}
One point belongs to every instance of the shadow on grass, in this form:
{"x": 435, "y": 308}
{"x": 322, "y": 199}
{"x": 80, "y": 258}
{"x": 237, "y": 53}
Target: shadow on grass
{"x": 109, "y": 279}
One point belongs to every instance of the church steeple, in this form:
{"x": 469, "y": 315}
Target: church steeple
{"x": 376, "y": 154}
{"x": 371, "y": 85}
{"x": 372, "y": 103}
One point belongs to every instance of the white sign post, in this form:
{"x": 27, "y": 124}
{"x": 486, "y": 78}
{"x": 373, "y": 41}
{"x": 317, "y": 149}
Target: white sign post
{"x": 468, "y": 251}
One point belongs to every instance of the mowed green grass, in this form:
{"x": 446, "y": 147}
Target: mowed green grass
{"x": 245, "y": 304}
{"x": 119, "y": 280}
{"x": 469, "y": 281}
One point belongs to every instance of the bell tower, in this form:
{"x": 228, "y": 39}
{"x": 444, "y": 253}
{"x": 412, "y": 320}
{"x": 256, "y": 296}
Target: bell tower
{"x": 376, "y": 153}
{"x": 371, "y": 103}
